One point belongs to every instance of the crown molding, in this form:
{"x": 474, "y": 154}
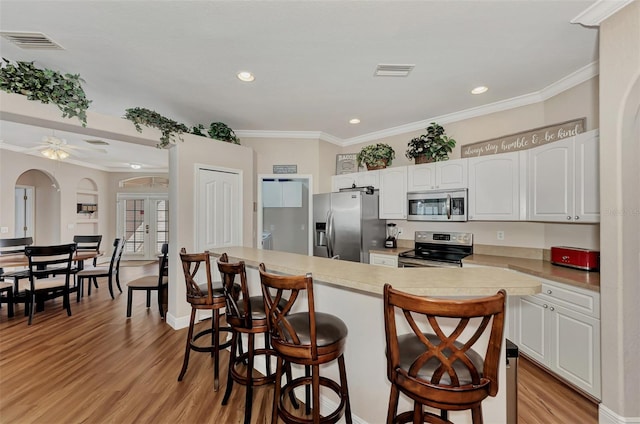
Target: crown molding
{"x": 578, "y": 77}
{"x": 599, "y": 11}
{"x": 313, "y": 135}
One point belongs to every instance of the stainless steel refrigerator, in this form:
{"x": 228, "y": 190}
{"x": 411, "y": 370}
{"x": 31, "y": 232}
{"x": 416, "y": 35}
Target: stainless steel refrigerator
{"x": 347, "y": 225}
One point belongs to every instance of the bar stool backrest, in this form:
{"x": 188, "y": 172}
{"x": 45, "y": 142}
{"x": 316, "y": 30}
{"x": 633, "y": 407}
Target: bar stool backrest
{"x": 238, "y": 310}
{"x": 450, "y": 351}
{"x": 280, "y": 294}
{"x": 191, "y": 263}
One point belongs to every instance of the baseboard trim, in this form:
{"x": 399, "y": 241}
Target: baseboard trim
{"x": 607, "y": 416}
{"x": 327, "y": 404}
{"x": 177, "y": 323}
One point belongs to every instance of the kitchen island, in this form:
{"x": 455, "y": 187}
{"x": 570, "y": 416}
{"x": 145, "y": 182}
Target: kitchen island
{"x": 353, "y": 292}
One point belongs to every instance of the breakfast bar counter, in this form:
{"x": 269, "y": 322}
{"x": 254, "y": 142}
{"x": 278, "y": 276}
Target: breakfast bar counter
{"x": 353, "y": 292}
{"x": 371, "y": 279}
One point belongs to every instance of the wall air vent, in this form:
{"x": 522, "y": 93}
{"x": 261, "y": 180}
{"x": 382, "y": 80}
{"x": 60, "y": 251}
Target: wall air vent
{"x": 31, "y": 40}
{"x": 383, "y": 70}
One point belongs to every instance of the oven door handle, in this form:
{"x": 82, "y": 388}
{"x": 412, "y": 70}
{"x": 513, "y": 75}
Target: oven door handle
{"x": 447, "y": 206}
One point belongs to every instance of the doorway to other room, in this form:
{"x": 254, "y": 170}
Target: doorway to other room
{"x": 284, "y": 213}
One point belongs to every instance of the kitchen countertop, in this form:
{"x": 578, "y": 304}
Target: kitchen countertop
{"x": 371, "y": 279}
{"x": 537, "y": 267}
{"x": 540, "y": 268}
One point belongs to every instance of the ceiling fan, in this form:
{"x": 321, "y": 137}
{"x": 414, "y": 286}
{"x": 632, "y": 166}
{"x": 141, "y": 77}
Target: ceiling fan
{"x": 56, "y": 148}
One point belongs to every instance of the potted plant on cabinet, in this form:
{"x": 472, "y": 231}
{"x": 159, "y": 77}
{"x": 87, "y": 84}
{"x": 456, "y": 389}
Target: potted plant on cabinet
{"x": 376, "y": 156}
{"x": 430, "y": 147}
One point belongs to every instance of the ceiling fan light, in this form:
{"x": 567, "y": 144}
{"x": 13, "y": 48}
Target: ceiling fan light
{"x": 62, "y": 154}
{"x": 135, "y": 165}
{"x": 48, "y": 153}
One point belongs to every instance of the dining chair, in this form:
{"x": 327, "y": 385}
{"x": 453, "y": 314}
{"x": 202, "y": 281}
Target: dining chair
{"x": 14, "y": 246}
{"x": 88, "y": 243}
{"x": 112, "y": 272}
{"x": 151, "y": 283}
{"x": 42, "y": 282}
{"x": 8, "y": 298}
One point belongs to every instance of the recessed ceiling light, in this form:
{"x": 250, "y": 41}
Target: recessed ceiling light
{"x": 245, "y": 76}
{"x": 479, "y": 90}
{"x": 135, "y": 165}
{"x": 354, "y": 121}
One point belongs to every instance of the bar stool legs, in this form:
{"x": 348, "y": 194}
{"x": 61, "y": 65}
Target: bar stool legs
{"x": 214, "y": 348}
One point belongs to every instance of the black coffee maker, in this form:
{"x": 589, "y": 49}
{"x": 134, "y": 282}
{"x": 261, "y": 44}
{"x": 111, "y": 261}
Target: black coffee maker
{"x": 392, "y": 236}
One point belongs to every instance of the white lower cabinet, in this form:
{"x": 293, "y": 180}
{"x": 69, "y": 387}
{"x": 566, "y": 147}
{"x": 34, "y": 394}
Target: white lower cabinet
{"x": 560, "y": 329}
{"x": 383, "y": 260}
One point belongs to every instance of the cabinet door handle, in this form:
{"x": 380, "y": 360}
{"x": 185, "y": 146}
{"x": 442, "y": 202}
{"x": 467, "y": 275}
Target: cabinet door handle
{"x": 577, "y": 217}
{"x": 568, "y": 218}
{"x": 549, "y": 292}
{"x": 545, "y": 306}
{"x": 552, "y": 308}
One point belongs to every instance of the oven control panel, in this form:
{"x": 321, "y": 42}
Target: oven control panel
{"x": 465, "y": 239}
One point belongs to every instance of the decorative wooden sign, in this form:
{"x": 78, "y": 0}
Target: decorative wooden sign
{"x": 524, "y": 140}
{"x": 285, "y": 169}
{"x": 346, "y": 163}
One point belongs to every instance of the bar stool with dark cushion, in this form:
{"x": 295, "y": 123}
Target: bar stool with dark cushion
{"x": 307, "y": 338}
{"x": 437, "y": 369}
{"x": 203, "y": 297}
{"x": 245, "y": 315}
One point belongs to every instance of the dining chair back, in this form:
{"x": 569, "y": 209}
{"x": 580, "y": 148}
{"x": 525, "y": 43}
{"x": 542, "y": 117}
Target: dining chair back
{"x": 156, "y": 282}
{"x": 112, "y": 272}
{"x": 438, "y": 367}
{"x": 14, "y": 246}
{"x": 88, "y": 243}
{"x": 49, "y": 274}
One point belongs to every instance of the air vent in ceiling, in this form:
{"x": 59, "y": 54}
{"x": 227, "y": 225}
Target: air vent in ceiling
{"x": 31, "y": 40}
{"x": 393, "y": 70}
{"x": 97, "y": 142}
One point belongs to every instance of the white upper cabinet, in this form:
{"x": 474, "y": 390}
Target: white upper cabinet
{"x": 497, "y": 187}
{"x": 360, "y": 179}
{"x": 563, "y": 180}
{"x": 393, "y": 193}
{"x": 281, "y": 194}
{"x": 438, "y": 175}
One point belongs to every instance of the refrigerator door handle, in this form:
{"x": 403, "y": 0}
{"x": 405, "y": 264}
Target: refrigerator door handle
{"x": 328, "y": 234}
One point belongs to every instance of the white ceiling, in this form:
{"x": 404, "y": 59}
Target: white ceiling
{"x": 313, "y": 60}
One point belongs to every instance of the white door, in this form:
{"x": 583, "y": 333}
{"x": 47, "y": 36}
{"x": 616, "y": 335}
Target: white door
{"x": 24, "y": 211}
{"x": 587, "y": 184}
{"x": 451, "y": 174}
{"x": 143, "y": 220}
{"x": 532, "y": 337}
{"x": 219, "y": 216}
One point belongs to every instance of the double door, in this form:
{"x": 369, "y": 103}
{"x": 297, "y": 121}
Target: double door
{"x": 143, "y": 220}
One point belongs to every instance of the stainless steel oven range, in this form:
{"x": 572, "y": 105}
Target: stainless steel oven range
{"x": 437, "y": 249}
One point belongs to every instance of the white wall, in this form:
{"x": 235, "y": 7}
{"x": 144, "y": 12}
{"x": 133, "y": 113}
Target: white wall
{"x": 620, "y": 221}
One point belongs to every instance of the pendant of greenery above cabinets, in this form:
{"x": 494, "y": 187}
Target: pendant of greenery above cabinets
{"x": 47, "y": 86}
{"x": 220, "y": 131}
{"x": 376, "y": 156}
{"x": 149, "y": 118}
{"x": 432, "y": 146}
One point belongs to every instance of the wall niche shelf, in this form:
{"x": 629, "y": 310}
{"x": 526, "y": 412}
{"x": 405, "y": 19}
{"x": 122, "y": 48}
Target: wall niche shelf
{"x": 87, "y": 207}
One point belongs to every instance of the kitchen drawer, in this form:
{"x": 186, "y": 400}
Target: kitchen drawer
{"x": 383, "y": 260}
{"x": 574, "y": 298}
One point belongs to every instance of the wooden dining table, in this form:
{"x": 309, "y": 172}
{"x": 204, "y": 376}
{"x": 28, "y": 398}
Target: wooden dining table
{"x": 20, "y": 259}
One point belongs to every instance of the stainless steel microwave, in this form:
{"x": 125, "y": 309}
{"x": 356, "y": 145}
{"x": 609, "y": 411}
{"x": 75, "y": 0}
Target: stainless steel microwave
{"x": 440, "y": 205}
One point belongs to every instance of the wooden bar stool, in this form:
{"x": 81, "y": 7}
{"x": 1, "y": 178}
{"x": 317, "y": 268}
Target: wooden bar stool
{"x": 439, "y": 370}
{"x": 203, "y": 297}
{"x": 307, "y": 338}
{"x": 245, "y": 315}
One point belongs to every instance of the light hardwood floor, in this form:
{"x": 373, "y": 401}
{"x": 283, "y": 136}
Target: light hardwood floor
{"x": 97, "y": 366}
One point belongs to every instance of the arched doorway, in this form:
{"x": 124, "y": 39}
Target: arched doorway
{"x": 38, "y": 215}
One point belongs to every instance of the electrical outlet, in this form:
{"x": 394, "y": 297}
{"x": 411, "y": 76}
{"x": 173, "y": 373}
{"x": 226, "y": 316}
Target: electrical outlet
{"x": 500, "y": 235}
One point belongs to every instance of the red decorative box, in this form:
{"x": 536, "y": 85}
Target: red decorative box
{"x": 575, "y": 257}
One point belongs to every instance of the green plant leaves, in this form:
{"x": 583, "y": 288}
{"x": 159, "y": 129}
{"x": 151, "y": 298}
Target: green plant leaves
{"x": 375, "y": 155}
{"x": 46, "y": 86}
{"x": 434, "y": 144}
